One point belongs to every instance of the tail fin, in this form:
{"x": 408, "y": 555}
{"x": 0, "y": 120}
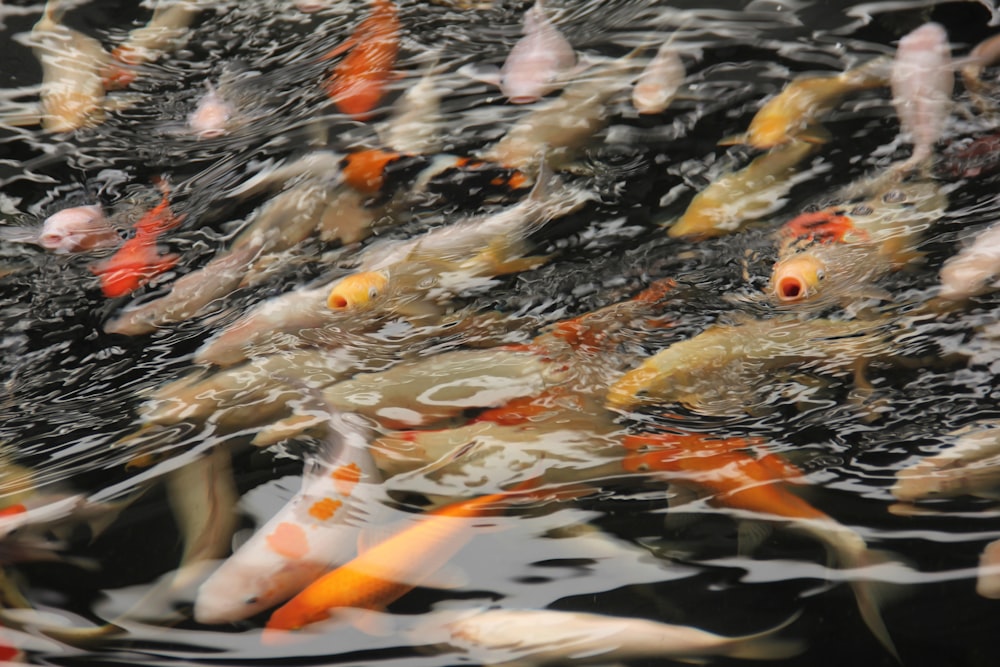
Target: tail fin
{"x": 765, "y": 646}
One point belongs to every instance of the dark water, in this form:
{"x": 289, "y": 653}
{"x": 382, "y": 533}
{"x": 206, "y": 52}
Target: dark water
{"x": 71, "y": 391}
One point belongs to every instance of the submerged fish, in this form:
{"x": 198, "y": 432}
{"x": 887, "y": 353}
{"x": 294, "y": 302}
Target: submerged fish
{"x": 739, "y": 197}
{"x": 545, "y": 636}
{"x": 138, "y": 260}
{"x": 72, "y": 93}
{"x": 922, "y": 81}
{"x": 212, "y": 116}
{"x": 721, "y": 368}
{"x": 740, "y": 481}
{"x": 794, "y": 112}
{"x": 360, "y": 79}
{"x": 165, "y": 31}
{"x": 975, "y": 269}
{"x": 74, "y": 229}
{"x": 315, "y": 531}
{"x": 988, "y": 578}
{"x": 658, "y": 83}
{"x": 539, "y": 60}
{"x": 971, "y": 466}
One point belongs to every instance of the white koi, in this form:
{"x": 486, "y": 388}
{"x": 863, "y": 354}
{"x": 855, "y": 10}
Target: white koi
{"x": 974, "y": 269}
{"x": 317, "y": 530}
{"x": 659, "y": 81}
{"x": 538, "y": 61}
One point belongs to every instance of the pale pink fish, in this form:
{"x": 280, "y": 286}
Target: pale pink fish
{"x": 922, "y": 80}
{"x": 988, "y": 577}
{"x": 317, "y": 530}
{"x": 213, "y": 115}
{"x": 659, "y": 81}
{"x": 974, "y": 269}
{"x": 75, "y": 229}
{"x": 538, "y": 62}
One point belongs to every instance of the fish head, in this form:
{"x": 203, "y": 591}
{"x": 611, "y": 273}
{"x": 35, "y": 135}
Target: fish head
{"x": 243, "y": 587}
{"x": 798, "y": 277}
{"x": 357, "y": 290}
{"x": 77, "y": 228}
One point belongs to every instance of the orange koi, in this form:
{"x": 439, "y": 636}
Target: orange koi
{"x": 365, "y": 170}
{"x": 359, "y": 80}
{"x": 739, "y": 481}
{"x": 390, "y": 569}
{"x": 137, "y": 261}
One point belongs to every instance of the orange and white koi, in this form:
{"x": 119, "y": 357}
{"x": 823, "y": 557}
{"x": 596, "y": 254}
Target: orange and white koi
{"x": 138, "y": 260}
{"x": 165, "y": 32}
{"x": 359, "y": 80}
{"x": 740, "y": 481}
{"x": 314, "y": 532}
{"x": 739, "y": 197}
{"x": 72, "y": 93}
{"x": 390, "y": 569}
{"x": 547, "y": 636}
{"x": 793, "y": 113}
{"x": 922, "y": 81}
{"x": 844, "y": 249}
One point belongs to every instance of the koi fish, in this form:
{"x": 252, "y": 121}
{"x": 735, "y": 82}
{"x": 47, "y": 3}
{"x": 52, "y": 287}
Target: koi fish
{"x": 971, "y": 466}
{"x": 359, "y": 80}
{"x": 546, "y": 636}
{"x": 75, "y": 229}
{"x": 922, "y": 81}
{"x": 390, "y": 569}
{"x": 72, "y": 94}
{"x": 314, "y": 532}
{"x": 739, "y": 197}
{"x": 793, "y": 113}
{"x": 164, "y": 32}
{"x": 212, "y": 116}
{"x": 659, "y": 81}
{"x": 416, "y": 123}
{"x": 973, "y": 269}
{"x": 986, "y": 53}
{"x": 138, "y": 261}
{"x": 565, "y": 124}
{"x": 988, "y": 575}
{"x": 539, "y": 60}
{"x": 425, "y": 391}
{"x": 719, "y": 369}
{"x": 740, "y": 481}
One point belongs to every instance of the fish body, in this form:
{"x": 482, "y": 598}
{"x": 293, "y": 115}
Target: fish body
{"x": 971, "y": 466}
{"x": 922, "y": 81}
{"x": 538, "y": 61}
{"x": 659, "y": 81}
{"x": 974, "y": 269}
{"x": 543, "y": 637}
{"x": 741, "y": 196}
{"x": 389, "y": 569}
{"x": 72, "y": 93}
{"x": 988, "y": 577}
{"x": 568, "y": 122}
{"x": 138, "y": 260}
{"x": 793, "y": 113}
{"x": 315, "y": 531}
{"x": 740, "y": 481}
{"x": 846, "y": 248}
{"x": 719, "y": 369}
{"x": 416, "y": 122}
{"x": 359, "y": 80}
{"x": 164, "y": 32}
{"x": 71, "y": 230}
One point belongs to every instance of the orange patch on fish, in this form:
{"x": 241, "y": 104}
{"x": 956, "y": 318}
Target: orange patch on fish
{"x": 345, "y": 478}
{"x": 365, "y": 170}
{"x": 325, "y": 508}
{"x": 289, "y": 540}
{"x": 12, "y": 510}
{"x": 520, "y": 410}
{"x": 822, "y": 226}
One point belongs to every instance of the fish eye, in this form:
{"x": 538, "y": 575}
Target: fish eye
{"x": 253, "y": 599}
{"x": 894, "y": 197}
{"x": 372, "y": 292}
{"x": 862, "y": 209}
{"x": 820, "y": 274}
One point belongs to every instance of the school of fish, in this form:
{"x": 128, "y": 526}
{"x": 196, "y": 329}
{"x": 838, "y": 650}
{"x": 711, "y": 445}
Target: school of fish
{"x": 343, "y": 304}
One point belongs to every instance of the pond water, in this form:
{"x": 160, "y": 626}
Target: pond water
{"x": 99, "y": 447}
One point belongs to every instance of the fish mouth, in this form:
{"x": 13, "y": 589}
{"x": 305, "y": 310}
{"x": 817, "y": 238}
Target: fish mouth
{"x": 337, "y": 302}
{"x": 523, "y": 99}
{"x": 791, "y": 288}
